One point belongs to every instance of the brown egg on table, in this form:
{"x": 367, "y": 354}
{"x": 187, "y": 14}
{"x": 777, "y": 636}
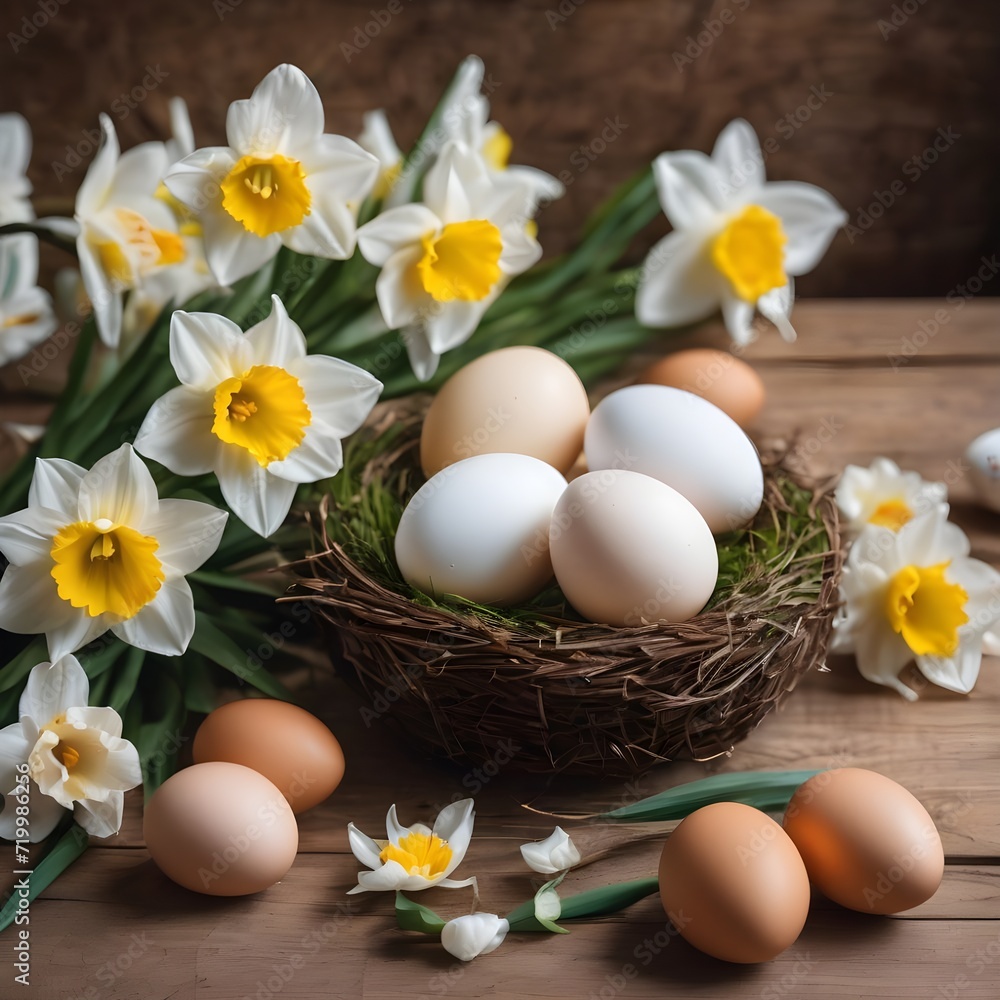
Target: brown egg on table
{"x": 220, "y": 829}
{"x": 520, "y": 400}
{"x": 733, "y": 884}
{"x": 867, "y": 842}
{"x": 731, "y": 384}
{"x": 283, "y": 742}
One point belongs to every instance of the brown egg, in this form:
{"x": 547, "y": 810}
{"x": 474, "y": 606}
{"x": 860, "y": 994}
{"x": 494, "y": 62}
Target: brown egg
{"x": 220, "y": 829}
{"x": 867, "y": 843}
{"x": 522, "y": 400}
{"x": 731, "y": 384}
{"x": 733, "y": 884}
{"x": 283, "y": 742}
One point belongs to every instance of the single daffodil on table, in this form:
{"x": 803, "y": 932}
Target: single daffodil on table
{"x": 75, "y": 753}
{"x": 445, "y": 260}
{"x": 280, "y": 181}
{"x": 885, "y": 496}
{"x": 737, "y": 240}
{"x": 415, "y": 857}
{"x": 97, "y": 550}
{"x": 914, "y": 595}
{"x": 256, "y": 410}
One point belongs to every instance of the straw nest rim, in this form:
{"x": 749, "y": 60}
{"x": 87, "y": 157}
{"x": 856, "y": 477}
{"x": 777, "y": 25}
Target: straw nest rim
{"x": 545, "y": 692}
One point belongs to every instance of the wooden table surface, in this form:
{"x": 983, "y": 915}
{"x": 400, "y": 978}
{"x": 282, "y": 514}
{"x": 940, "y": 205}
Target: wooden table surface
{"x": 113, "y": 927}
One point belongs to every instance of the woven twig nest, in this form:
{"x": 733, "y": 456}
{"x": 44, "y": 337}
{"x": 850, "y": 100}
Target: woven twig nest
{"x": 536, "y": 685}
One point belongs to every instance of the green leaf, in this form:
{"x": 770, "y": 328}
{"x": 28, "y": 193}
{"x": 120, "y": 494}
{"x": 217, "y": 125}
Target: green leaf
{"x": 766, "y": 790}
{"x": 69, "y": 847}
{"x": 412, "y": 916}
{"x": 232, "y": 581}
{"x": 213, "y": 643}
{"x": 127, "y": 677}
{"x": 18, "y": 669}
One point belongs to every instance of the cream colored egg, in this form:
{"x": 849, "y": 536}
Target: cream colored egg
{"x": 684, "y": 441}
{"x": 221, "y": 829}
{"x": 521, "y": 400}
{"x": 628, "y": 550}
{"x": 479, "y": 529}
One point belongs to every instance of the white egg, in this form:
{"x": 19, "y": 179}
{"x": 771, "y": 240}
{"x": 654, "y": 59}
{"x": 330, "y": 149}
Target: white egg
{"x": 684, "y": 441}
{"x": 629, "y": 550}
{"x": 480, "y": 529}
{"x": 984, "y": 461}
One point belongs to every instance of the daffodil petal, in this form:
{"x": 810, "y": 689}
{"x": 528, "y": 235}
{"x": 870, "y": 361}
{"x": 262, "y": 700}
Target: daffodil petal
{"x": 738, "y": 157}
{"x": 194, "y": 180}
{"x": 423, "y": 359}
{"x": 955, "y": 673}
{"x": 105, "y": 299}
{"x": 118, "y": 487}
{"x": 26, "y": 535}
{"x": 101, "y": 818}
{"x": 56, "y": 484}
{"x": 395, "y": 229}
{"x": 809, "y": 217}
{"x": 400, "y": 297}
{"x": 29, "y": 603}
{"x": 14, "y": 750}
{"x": 393, "y": 828}
{"x": 320, "y": 455}
{"x": 275, "y": 340}
{"x": 284, "y": 111}
{"x": 520, "y": 250}
{"x": 137, "y": 172}
{"x": 15, "y": 145}
{"x": 738, "y": 317}
{"x": 51, "y": 691}
{"x": 451, "y": 883}
{"x": 177, "y": 432}
{"x": 188, "y": 533}
{"x": 232, "y": 252}
{"x": 45, "y": 814}
{"x": 338, "y": 165}
{"x": 678, "y": 285}
{"x": 446, "y": 186}
{"x": 164, "y": 625}
{"x": 101, "y": 171}
{"x": 454, "y": 323}
{"x": 260, "y": 500}
{"x": 206, "y": 349}
{"x": 340, "y": 394}
{"x": 881, "y": 655}
{"x": 455, "y": 824}
{"x": 182, "y": 143}
{"x": 328, "y": 231}
{"x": 389, "y": 876}
{"x": 365, "y": 849}
{"x": 72, "y": 631}
{"x": 776, "y": 306}
{"x": 688, "y": 186}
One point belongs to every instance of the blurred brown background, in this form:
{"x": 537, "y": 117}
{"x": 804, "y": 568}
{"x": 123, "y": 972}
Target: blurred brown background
{"x": 852, "y": 94}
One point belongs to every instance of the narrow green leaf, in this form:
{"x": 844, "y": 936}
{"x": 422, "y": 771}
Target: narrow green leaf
{"x": 412, "y": 916}
{"x": 232, "y": 581}
{"x": 213, "y": 643}
{"x": 69, "y": 847}
{"x": 766, "y": 790}
{"x": 126, "y": 679}
{"x": 591, "y": 903}
{"x": 17, "y": 669}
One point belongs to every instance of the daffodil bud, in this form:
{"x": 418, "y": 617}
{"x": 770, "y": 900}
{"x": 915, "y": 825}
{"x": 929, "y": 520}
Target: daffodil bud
{"x": 554, "y": 854}
{"x": 473, "y": 935}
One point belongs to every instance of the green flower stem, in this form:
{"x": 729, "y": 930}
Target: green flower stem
{"x": 597, "y": 902}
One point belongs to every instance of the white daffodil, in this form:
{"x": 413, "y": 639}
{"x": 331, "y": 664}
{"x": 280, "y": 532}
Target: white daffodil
{"x": 737, "y": 240}
{"x": 125, "y": 231}
{"x": 280, "y": 180}
{"x": 474, "y": 934}
{"x": 256, "y": 410}
{"x": 415, "y": 857}
{"x": 377, "y": 138}
{"x": 884, "y": 496}
{"x": 76, "y": 757}
{"x": 914, "y": 595}
{"x": 97, "y": 550}
{"x": 464, "y": 116}
{"x": 445, "y": 260}
{"x": 15, "y": 152}
{"x": 27, "y": 316}
{"x": 554, "y": 854}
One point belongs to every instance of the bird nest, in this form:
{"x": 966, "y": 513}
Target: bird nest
{"x": 535, "y": 684}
